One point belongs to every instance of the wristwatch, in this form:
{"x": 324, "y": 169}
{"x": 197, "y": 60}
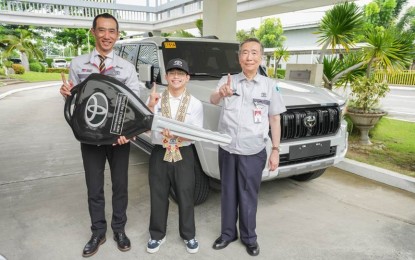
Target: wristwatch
{"x": 276, "y": 148}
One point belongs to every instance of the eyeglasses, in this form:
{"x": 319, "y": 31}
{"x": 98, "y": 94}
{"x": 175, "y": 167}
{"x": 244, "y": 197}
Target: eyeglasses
{"x": 177, "y": 73}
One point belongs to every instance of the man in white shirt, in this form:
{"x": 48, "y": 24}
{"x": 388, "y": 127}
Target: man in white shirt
{"x": 251, "y": 104}
{"x": 172, "y": 159}
{"x": 103, "y": 60}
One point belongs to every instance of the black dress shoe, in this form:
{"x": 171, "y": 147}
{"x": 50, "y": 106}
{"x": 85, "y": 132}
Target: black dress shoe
{"x": 221, "y": 243}
{"x": 123, "y": 242}
{"x": 93, "y": 244}
{"x": 252, "y": 249}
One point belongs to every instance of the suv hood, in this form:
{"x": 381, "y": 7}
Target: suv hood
{"x": 295, "y": 94}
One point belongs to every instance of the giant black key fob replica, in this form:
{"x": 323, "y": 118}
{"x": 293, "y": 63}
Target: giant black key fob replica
{"x": 101, "y": 109}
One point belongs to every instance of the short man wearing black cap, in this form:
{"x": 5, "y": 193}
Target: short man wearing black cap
{"x": 172, "y": 158}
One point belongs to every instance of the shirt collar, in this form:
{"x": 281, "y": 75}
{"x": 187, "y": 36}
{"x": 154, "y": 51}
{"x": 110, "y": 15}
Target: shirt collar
{"x": 241, "y": 76}
{"x": 95, "y": 53}
{"x": 175, "y": 98}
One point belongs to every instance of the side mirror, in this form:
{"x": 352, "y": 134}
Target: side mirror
{"x": 145, "y": 74}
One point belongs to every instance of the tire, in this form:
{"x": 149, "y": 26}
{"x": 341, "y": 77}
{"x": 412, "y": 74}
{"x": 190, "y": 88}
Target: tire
{"x": 215, "y": 184}
{"x": 308, "y": 176}
{"x": 201, "y": 184}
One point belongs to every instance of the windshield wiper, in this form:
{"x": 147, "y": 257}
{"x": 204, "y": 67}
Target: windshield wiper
{"x": 206, "y": 75}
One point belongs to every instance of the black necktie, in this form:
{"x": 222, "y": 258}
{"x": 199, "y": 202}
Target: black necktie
{"x": 102, "y": 63}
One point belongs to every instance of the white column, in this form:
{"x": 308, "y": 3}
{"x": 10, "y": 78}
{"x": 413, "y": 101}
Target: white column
{"x": 219, "y": 19}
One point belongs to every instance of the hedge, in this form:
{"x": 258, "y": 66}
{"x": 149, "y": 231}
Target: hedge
{"x": 57, "y": 70}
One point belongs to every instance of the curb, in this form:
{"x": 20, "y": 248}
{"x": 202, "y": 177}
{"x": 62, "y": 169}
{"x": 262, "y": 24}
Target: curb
{"x": 378, "y": 174}
{"x": 5, "y": 94}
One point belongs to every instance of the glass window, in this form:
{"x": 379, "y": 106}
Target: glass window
{"x": 129, "y": 53}
{"x": 148, "y": 55}
{"x": 204, "y": 58}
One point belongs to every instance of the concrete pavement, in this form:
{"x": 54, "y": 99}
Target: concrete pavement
{"x": 44, "y": 211}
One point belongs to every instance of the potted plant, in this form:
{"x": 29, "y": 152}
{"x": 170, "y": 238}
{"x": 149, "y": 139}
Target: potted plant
{"x": 387, "y": 50}
{"x": 363, "y": 107}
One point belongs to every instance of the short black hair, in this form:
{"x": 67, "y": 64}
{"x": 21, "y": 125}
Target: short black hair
{"x": 251, "y": 40}
{"x": 104, "y": 15}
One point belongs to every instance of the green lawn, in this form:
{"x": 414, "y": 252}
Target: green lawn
{"x": 31, "y": 76}
{"x": 393, "y": 146}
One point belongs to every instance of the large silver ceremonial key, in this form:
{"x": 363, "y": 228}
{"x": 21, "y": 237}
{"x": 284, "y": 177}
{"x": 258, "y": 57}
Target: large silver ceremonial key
{"x": 101, "y": 109}
{"x": 189, "y": 131}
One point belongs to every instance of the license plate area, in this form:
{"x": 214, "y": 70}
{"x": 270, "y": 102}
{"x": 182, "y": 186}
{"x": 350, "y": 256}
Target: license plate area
{"x": 309, "y": 150}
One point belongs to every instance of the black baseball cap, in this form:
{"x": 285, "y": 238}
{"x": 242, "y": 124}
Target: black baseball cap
{"x": 177, "y": 64}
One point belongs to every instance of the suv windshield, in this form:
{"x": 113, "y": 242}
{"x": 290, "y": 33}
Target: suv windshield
{"x": 204, "y": 58}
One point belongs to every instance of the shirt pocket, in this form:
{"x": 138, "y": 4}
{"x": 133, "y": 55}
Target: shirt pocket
{"x": 232, "y": 103}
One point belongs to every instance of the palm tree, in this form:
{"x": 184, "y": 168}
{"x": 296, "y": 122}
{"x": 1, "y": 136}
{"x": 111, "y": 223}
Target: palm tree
{"x": 407, "y": 21}
{"x": 23, "y": 44}
{"x": 199, "y": 26}
{"x": 280, "y": 53}
{"x": 388, "y": 49}
{"x": 339, "y": 27}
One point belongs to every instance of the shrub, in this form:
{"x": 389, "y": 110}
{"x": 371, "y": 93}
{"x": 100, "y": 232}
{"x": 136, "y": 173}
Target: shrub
{"x": 2, "y": 72}
{"x": 43, "y": 67}
{"x": 35, "y": 66}
{"x": 8, "y": 64}
{"x": 18, "y": 69}
{"x": 281, "y": 73}
{"x": 49, "y": 61}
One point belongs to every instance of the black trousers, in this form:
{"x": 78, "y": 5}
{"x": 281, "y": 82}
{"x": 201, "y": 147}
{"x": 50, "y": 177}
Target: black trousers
{"x": 180, "y": 176}
{"x": 94, "y": 158}
{"x": 240, "y": 182}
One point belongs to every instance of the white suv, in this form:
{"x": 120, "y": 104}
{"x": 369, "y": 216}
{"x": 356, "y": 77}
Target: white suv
{"x": 313, "y": 132}
{"x": 59, "y": 63}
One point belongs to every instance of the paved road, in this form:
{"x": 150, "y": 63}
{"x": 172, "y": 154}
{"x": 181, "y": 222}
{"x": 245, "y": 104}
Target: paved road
{"x": 399, "y": 102}
{"x": 44, "y": 212}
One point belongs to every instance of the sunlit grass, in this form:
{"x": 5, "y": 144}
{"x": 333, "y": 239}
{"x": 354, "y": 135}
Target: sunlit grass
{"x": 393, "y": 146}
{"x": 31, "y": 76}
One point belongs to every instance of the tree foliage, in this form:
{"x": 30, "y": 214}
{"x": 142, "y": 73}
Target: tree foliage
{"x": 280, "y": 53}
{"x": 388, "y": 47}
{"x": 270, "y": 33}
{"x": 74, "y": 37}
{"x": 339, "y": 26}
{"x": 199, "y": 26}
{"x": 23, "y": 43}
{"x": 242, "y": 35}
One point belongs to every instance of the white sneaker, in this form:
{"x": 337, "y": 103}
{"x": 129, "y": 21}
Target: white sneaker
{"x": 154, "y": 245}
{"x": 192, "y": 246}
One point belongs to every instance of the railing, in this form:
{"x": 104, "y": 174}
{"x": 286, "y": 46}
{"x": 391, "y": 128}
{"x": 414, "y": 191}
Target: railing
{"x": 405, "y": 77}
{"x": 89, "y": 9}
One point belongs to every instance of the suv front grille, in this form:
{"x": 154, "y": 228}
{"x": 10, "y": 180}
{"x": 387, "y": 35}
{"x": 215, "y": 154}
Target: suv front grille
{"x": 322, "y": 121}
